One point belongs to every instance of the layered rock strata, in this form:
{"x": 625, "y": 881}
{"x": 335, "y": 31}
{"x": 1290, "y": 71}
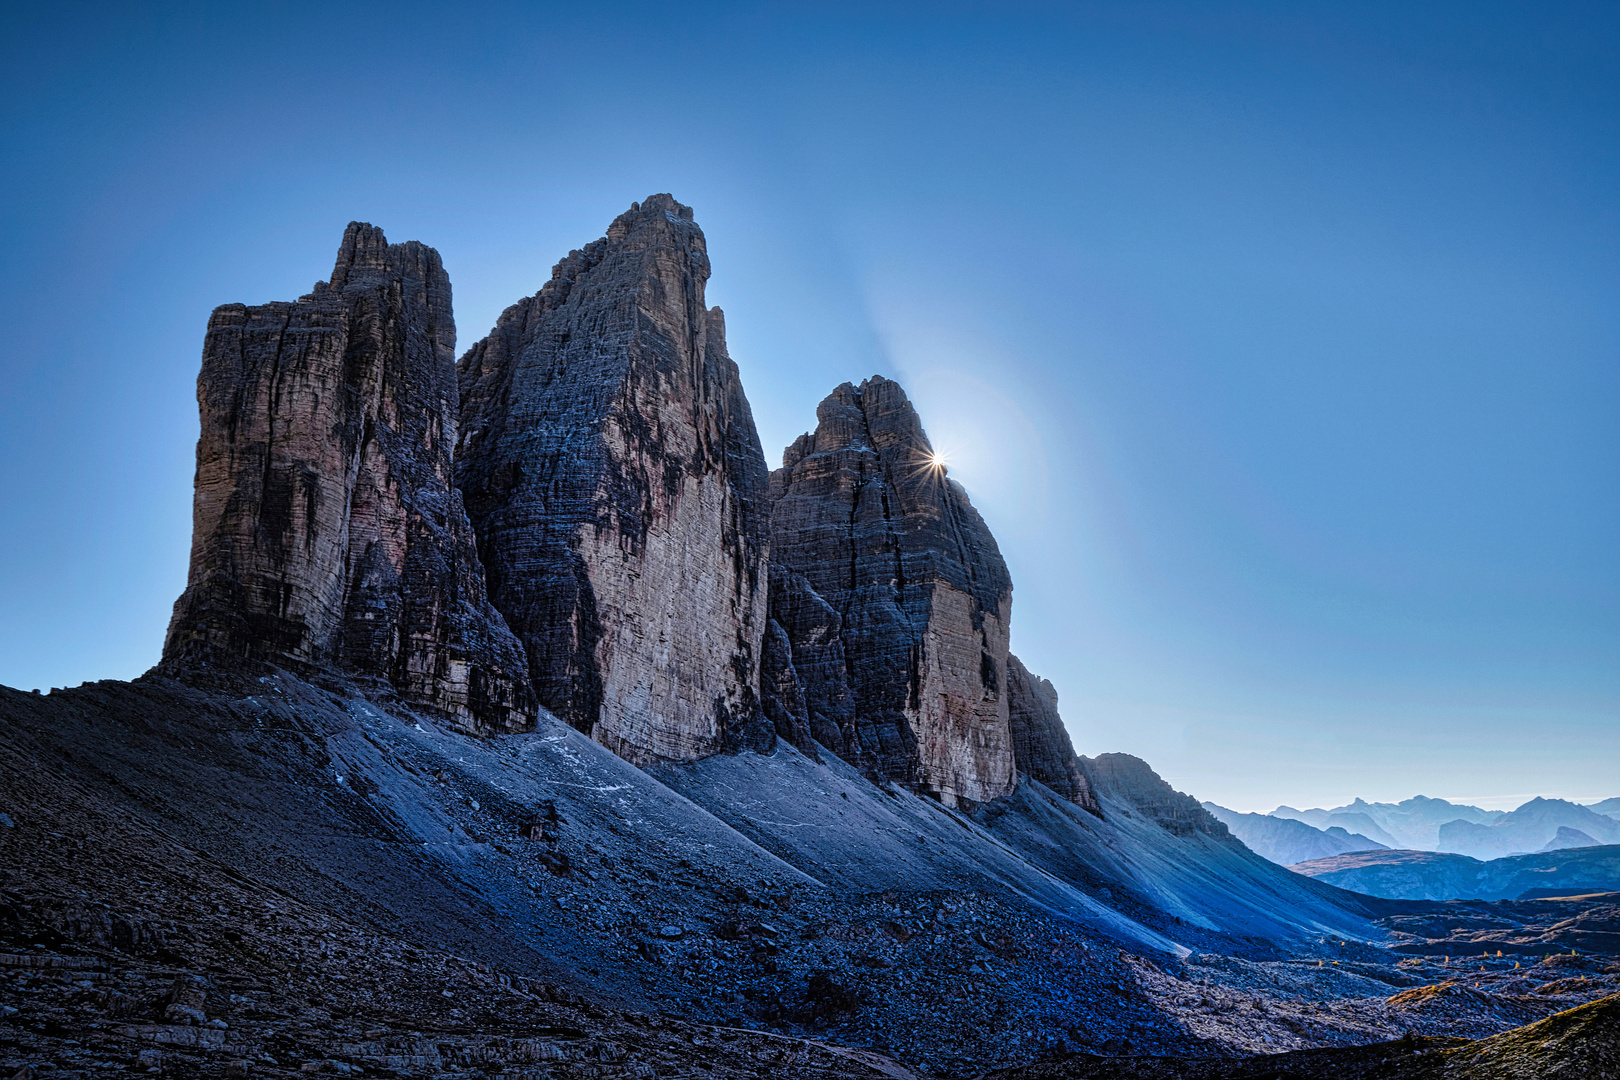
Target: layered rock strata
{"x": 610, "y": 562}
{"x": 864, "y": 512}
{"x": 610, "y": 465}
{"x": 327, "y": 532}
{"x": 1041, "y": 746}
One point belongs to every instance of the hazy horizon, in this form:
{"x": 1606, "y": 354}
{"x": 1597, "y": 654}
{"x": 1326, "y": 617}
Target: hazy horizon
{"x": 1276, "y": 344}
{"x": 1482, "y": 802}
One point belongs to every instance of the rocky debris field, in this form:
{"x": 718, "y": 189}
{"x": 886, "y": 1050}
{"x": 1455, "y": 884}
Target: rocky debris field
{"x": 1352, "y": 993}
{"x": 1521, "y": 929}
{"x": 1264, "y": 1007}
{"x": 122, "y": 949}
{"x": 597, "y": 879}
{"x": 280, "y": 880}
{"x": 122, "y": 952}
{"x": 1582, "y": 1043}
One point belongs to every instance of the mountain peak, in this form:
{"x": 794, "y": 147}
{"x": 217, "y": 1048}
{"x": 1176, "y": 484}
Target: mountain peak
{"x": 327, "y": 536}
{"x": 861, "y": 511}
{"x": 611, "y": 468}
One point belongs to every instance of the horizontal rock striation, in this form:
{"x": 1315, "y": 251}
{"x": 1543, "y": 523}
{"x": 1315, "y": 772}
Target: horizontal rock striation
{"x": 610, "y": 465}
{"x": 893, "y": 548}
{"x": 1041, "y": 746}
{"x": 327, "y": 532}
{"x": 578, "y": 515}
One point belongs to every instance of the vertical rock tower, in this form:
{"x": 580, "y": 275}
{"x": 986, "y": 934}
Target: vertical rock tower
{"x": 578, "y": 515}
{"x": 327, "y": 532}
{"x": 861, "y": 510}
{"x": 611, "y": 468}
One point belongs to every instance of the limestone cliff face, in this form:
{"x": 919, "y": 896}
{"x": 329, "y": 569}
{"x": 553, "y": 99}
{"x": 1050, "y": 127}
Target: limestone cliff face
{"x": 609, "y": 461}
{"x": 922, "y": 597}
{"x": 1041, "y": 746}
{"x": 327, "y": 532}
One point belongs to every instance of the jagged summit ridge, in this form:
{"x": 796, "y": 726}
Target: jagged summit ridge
{"x": 577, "y": 515}
{"x": 326, "y": 531}
{"x": 1128, "y": 778}
{"x": 611, "y": 467}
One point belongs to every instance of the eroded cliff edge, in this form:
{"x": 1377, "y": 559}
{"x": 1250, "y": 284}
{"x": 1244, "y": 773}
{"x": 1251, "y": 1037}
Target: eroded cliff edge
{"x": 327, "y": 533}
{"x": 610, "y": 464}
{"x": 1041, "y": 746}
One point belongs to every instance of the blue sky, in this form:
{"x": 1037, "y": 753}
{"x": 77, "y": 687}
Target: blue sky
{"x": 1278, "y": 343}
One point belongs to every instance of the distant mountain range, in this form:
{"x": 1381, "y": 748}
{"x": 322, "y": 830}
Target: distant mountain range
{"x": 1440, "y": 875}
{"x": 1425, "y": 824}
{"x": 1422, "y": 824}
{"x": 1529, "y": 828}
{"x": 1287, "y": 841}
{"x": 1413, "y": 824}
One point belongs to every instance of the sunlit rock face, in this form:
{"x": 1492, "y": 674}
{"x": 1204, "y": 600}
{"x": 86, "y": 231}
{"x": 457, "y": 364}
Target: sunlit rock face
{"x": 610, "y": 464}
{"x": 1041, "y": 746}
{"x": 922, "y": 597}
{"x": 327, "y": 532}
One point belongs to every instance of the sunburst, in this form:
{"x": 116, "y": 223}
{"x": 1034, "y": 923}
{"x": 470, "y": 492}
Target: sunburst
{"x": 929, "y": 464}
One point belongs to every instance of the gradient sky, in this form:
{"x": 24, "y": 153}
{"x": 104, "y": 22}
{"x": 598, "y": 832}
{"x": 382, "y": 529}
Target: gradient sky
{"x": 1278, "y": 343}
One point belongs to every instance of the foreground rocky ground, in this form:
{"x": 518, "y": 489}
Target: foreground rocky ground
{"x": 212, "y": 883}
{"x": 125, "y": 952}
{"x": 1582, "y": 1043}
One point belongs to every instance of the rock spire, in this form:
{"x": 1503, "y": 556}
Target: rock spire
{"x": 327, "y": 532}
{"x": 862, "y": 511}
{"x": 577, "y": 515}
{"x": 610, "y": 465}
